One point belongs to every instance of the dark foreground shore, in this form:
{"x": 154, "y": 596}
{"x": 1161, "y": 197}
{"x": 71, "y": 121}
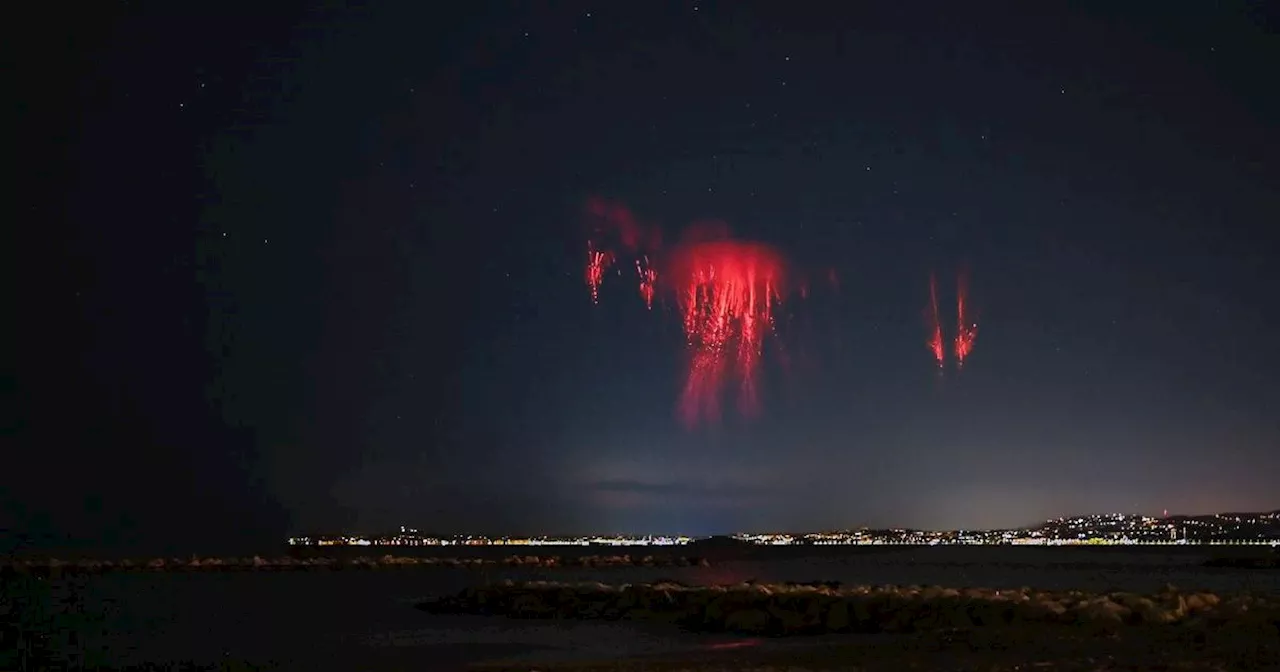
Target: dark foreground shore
{"x": 1012, "y": 649}
{"x": 825, "y": 608}
{"x": 1108, "y": 610}
{"x": 1025, "y": 648}
{"x": 925, "y": 628}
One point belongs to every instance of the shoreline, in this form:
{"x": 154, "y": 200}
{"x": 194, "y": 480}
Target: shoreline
{"x": 54, "y": 566}
{"x": 781, "y": 610}
{"x": 1023, "y": 649}
{"x": 803, "y": 627}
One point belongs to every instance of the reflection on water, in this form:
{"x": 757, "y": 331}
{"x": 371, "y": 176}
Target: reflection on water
{"x": 735, "y": 644}
{"x": 366, "y": 620}
{"x": 725, "y": 574}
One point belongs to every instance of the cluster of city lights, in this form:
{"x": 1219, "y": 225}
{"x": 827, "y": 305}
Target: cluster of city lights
{"x": 408, "y": 537}
{"x": 1106, "y": 529}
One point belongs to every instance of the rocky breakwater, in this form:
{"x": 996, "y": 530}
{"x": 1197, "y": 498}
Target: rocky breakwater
{"x": 53, "y": 566}
{"x": 795, "y": 609}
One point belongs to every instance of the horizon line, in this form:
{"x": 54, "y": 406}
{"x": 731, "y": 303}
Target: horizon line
{"x": 580, "y": 535}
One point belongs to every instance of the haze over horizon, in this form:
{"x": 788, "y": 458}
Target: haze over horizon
{"x": 322, "y": 267}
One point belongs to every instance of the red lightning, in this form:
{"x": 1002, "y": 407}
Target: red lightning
{"x": 966, "y": 328}
{"x": 648, "y": 278}
{"x": 597, "y": 262}
{"x": 614, "y": 226}
{"x": 936, "y": 343}
{"x": 727, "y": 291}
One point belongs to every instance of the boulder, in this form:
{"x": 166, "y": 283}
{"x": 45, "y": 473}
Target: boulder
{"x": 1043, "y": 610}
{"x": 954, "y": 614}
{"x": 1103, "y": 611}
{"x": 748, "y": 621}
{"x": 786, "y": 618}
{"x": 1146, "y": 611}
{"x": 530, "y": 605}
{"x": 795, "y": 609}
{"x": 837, "y": 619}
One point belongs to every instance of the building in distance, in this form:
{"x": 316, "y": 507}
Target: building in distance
{"x": 1100, "y": 529}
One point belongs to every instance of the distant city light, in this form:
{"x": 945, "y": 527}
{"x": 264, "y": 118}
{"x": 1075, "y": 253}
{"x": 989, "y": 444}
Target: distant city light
{"x": 1103, "y": 529}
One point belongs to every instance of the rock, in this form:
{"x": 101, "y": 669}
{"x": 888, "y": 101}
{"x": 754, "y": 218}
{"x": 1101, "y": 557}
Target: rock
{"x": 931, "y": 593}
{"x": 954, "y": 614}
{"x": 1043, "y": 610}
{"x": 838, "y": 617}
{"x": 717, "y": 611}
{"x": 1103, "y": 611}
{"x": 815, "y": 611}
{"x": 748, "y": 621}
{"x": 1175, "y": 606}
{"x": 758, "y": 608}
{"x": 1202, "y": 602}
{"x": 529, "y": 605}
{"x": 930, "y": 617}
{"x": 629, "y": 599}
{"x": 785, "y": 621}
{"x": 864, "y": 609}
{"x": 1001, "y": 612}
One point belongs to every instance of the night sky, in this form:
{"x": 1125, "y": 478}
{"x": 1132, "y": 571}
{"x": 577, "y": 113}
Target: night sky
{"x": 322, "y": 269}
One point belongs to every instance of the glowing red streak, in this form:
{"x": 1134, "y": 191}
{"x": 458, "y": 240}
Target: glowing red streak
{"x": 614, "y": 228}
{"x": 739, "y": 644}
{"x": 727, "y": 291}
{"x": 597, "y": 262}
{"x": 936, "y": 343}
{"x": 966, "y": 332}
{"x": 648, "y": 277}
